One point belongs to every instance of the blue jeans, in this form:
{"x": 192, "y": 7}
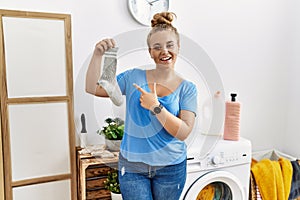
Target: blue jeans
{"x": 139, "y": 181}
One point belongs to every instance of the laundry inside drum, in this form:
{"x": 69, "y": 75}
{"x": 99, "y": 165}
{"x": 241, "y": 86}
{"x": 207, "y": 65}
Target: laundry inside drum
{"x": 215, "y": 191}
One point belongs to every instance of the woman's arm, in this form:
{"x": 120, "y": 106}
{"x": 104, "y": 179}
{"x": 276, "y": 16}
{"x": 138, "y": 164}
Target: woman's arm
{"x": 179, "y": 127}
{"x": 93, "y": 72}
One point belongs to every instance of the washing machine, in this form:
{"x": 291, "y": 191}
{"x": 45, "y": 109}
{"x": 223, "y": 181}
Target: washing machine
{"x": 218, "y": 169}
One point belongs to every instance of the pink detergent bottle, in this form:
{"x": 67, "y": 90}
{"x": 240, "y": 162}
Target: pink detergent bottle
{"x": 232, "y": 119}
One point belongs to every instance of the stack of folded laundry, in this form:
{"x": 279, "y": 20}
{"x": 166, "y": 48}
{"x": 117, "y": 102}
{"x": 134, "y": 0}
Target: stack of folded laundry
{"x": 97, "y": 151}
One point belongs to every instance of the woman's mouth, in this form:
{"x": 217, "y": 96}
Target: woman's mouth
{"x": 166, "y": 58}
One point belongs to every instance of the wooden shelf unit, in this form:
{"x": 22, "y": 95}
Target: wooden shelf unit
{"x": 92, "y": 172}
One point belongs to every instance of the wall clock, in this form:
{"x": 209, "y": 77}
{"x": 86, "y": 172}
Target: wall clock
{"x": 143, "y": 10}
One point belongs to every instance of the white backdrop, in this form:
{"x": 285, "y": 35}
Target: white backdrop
{"x": 253, "y": 43}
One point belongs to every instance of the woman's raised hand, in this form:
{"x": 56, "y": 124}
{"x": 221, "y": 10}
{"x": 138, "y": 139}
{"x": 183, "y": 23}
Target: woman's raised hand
{"x": 104, "y": 45}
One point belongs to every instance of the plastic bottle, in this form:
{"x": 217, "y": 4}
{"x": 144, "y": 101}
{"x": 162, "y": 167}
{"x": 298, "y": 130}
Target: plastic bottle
{"x": 232, "y": 119}
{"x": 213, "y": 115}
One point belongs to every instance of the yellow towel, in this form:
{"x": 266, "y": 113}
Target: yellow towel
{"x": 264, "y": 176}
{"x": 287, "y": 175}
{"x": 279, "y": 181}
{"x": 273, "y": 178}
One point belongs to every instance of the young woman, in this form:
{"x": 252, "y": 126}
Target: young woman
{"x": 160, "y": 113}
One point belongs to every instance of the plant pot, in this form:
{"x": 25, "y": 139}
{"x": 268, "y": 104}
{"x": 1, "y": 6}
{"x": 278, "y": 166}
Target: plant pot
{"x": 113, "y": 145}
{"x": 115, "y": 196}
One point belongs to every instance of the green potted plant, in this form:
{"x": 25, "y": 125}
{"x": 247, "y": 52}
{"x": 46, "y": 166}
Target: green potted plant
{"x": 112, "y": 184}
{"x": 113, "y": 132}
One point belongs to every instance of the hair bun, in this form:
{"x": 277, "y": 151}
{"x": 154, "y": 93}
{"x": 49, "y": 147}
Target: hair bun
{"x": 163, "y": 18}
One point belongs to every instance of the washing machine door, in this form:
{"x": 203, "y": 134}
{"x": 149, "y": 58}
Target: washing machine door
{"x": 216, "y": 185}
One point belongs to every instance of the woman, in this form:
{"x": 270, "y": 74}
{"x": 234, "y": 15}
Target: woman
{"x": 160, "y": 113}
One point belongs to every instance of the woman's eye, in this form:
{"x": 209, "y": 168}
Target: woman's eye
{"x": 170, "y": 46}
{"x": 157, "y": 48}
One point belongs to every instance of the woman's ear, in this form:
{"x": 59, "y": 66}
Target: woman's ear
{"x": 149, "y": 50}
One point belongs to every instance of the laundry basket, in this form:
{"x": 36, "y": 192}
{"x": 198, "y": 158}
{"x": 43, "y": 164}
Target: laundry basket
{"x": 274, "y": 155}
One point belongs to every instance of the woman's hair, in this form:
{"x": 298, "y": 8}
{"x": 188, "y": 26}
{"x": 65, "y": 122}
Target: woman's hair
{"x": 161, "y": 22}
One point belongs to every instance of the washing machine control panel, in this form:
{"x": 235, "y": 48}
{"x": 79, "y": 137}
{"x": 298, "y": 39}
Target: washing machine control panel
{"x": 225, "y": 159}
{"x": 218, "y": 158}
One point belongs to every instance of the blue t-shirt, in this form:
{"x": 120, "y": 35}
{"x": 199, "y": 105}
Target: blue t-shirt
{"x": 145, "y": 140}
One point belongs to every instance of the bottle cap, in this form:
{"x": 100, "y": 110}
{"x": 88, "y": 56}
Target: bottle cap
{"x": 233, "y": 95}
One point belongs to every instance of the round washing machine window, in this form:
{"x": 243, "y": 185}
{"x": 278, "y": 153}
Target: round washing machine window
{"x": 216, "y": 185}
{"x": 215, "y": 190}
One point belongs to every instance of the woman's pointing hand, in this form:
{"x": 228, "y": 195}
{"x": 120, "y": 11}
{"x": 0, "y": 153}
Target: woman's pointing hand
{"x": 148, "y": 100}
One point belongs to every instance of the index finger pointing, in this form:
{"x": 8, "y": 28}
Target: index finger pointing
{"x": 139, "y": 88}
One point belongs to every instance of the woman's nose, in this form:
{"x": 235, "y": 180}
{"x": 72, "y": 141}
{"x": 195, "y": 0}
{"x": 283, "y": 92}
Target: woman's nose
{"x": 164, "y": 49}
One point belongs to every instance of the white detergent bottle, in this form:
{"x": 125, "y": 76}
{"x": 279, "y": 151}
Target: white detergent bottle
{"x": 213, "y": 115}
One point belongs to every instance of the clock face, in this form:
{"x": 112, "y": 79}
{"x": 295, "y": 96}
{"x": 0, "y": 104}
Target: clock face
{"x": 143, "y": 10}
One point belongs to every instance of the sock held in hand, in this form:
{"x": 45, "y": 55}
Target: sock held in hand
{"x": 108, "y": 77}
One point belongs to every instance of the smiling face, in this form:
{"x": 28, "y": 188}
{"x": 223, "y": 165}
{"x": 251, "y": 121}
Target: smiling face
{"x": 164, "y": 48}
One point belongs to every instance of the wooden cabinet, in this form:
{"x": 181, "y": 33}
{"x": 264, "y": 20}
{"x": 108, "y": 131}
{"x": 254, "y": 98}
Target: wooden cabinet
{"x": 92, "y": 172}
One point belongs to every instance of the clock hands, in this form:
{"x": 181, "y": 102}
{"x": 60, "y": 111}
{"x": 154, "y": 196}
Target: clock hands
{"x": 151, "y": 2}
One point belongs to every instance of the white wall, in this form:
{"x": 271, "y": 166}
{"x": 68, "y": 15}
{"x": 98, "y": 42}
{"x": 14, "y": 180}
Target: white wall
{"x": 292, "y": 133}
{"x": 249, "y": 42}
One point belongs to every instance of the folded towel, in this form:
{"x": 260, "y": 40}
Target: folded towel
{"x": 273, "y": 178}
{"x": 103, "y": 154}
